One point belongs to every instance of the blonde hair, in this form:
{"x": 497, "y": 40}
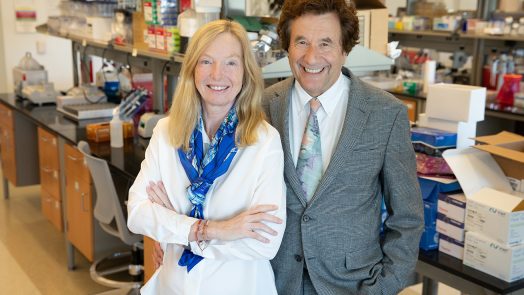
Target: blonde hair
{"x": 186, "y": 106}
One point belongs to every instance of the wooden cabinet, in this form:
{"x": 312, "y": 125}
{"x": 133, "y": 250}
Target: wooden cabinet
{"x": 19, "y": 149}
{"x": 50, "y": 177}
{"x": 148, "y": 258}
{"x": 79, "y": 202}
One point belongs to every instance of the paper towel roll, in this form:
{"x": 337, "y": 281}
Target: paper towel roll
{"x": 430, "y": 67}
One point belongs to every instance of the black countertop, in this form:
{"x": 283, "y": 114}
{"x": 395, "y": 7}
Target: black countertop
{"x": 454, "y": 266}
{"x": 126, "y": 159}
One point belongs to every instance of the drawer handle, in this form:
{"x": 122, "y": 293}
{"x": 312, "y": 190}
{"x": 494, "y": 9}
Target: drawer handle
{"x": 72, "y": 158}
{"x": 83, "y": 201}
{"x": 44, "y": 139}
{"x": 47, "y": 170}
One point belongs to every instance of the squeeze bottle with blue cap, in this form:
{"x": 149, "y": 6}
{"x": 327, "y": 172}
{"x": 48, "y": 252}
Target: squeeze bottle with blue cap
{"x": 116, "y": 131}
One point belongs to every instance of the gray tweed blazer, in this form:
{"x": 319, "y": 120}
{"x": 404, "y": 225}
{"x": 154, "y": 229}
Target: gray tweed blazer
{"x": 337, "y": 234}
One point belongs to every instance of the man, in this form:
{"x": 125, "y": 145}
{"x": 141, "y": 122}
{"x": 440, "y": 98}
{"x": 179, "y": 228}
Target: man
{"x": 346, "y": 147}
{"x": 332, "y": 241}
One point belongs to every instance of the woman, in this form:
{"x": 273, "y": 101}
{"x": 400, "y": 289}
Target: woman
{"x": 211, "y": 187}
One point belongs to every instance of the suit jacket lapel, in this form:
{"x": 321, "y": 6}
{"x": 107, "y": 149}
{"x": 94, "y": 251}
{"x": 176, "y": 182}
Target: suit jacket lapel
{"x": 279, "y": 109}
{"x": 357, "y": 114}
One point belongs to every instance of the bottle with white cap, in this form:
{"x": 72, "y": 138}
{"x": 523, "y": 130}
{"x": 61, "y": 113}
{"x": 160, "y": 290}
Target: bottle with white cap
{"x": 115, "y": 130}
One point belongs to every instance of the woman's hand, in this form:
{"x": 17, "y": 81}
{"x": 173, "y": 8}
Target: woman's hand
{"x": 157, "y": 194}
{"x": 247, "y": 224}
{"x": 157, "y": 255}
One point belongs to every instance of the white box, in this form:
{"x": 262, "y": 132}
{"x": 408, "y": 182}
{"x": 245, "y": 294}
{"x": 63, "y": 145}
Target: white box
{"x": 451, "y": 246}
{"x": 452, "y": 206}
{"x": 455, "y": 102}
{"x": 497, "y": 215}
{"x": 487, "y": 255}
{"x": 450, "y": 227}
{"x": 466, "y": 131}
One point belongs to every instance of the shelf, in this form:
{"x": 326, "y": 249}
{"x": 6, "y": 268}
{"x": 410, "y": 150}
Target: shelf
{"x": 134, "y": 51}
{"x": 445, "y": 34}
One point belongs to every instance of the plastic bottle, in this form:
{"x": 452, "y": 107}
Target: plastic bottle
{"x": 116, "y": 131}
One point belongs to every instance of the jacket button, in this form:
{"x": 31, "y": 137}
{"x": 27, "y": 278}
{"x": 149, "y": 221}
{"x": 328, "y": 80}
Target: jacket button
{"x": 305, "y": 218}
{"x": 298, "y": 258}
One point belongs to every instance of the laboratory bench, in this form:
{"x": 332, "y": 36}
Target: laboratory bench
{"x": 83, "y": 233}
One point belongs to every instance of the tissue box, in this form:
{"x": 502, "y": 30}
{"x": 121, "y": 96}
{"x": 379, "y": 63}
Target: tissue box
{"x": 450, "y": 227}
{"x": 434, "y": 137}
{"x": 430, "y": 214}
{"x": 499, "y": 260}
{"x": 497, "y": 215}
{"x": 429, "y": 239}
{"x": 452, "y": 206}
{"x": 456, "y": 102}
{"x": 451, "y": 246}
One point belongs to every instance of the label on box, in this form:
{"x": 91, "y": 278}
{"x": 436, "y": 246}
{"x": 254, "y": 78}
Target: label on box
{"x": 450, "y": 227}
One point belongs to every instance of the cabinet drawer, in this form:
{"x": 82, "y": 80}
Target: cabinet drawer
{"x": 50, "y": 181}
{"x": 48, "y": 149}
{"x": 79, "y": 202}
{"x": 7, "y": 146}
{"x": 52, "y": 209}
{"x": 6, "y": 116}
{"x": 74, "y": 163}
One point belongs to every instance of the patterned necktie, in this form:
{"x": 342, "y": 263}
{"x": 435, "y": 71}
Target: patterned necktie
{"x": 309, "y": 164}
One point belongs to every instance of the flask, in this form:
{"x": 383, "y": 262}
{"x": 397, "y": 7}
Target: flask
{"x": 115, "y": 130}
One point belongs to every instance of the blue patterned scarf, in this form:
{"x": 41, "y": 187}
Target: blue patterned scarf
{"x": 202, "y": 170}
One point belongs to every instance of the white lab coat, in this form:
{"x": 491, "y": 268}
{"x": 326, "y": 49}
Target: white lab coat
{"x": 236, "y": 267}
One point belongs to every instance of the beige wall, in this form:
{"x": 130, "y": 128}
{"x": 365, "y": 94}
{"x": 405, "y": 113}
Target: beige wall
{"x": 56, "y": 59}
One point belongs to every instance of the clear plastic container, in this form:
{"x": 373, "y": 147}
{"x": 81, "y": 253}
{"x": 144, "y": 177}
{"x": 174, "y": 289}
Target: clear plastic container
{"x": 206, "y": 14}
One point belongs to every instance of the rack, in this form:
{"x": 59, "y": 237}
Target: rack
{"x": 474, "y": 44}
{"x": 159, "y": 64}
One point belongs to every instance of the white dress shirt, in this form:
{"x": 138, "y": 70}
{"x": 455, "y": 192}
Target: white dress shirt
{"x": 330, "y": 117}
{"x": 230, "y": 267}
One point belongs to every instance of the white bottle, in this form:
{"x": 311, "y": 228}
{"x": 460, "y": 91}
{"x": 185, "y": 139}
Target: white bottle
{"x": 116, "y": 131}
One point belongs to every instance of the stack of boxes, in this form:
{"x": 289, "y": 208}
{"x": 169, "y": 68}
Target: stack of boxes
{"x": 429, "y": 144}
{"x": 450, "y": 223}
{"x": 494, "y": 220}
{"x": 161, "y": 33}
{"x": 455, "y": 108}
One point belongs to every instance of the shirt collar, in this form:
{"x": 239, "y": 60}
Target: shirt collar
{"x": 328, "y": 99}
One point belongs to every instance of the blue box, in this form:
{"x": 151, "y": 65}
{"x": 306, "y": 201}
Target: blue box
{"x": 434, "y": 137}
{"x": 430, "y": 214}
{"x": 429, "y": 239}
{"x": 431, "y": 189}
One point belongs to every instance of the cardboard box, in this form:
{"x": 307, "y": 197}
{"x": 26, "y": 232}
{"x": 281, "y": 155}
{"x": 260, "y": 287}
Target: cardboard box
{"x": 508, "y": 151}
{"x": 497, "y": 215}
{"x": 373, "y": 24}
{"x": 455, "y": 102}
{"x": 452, "y": 206}
{"x": 451, "y": 246}
{"x": 450, "y": 227}
{"x": 498, "y": 260}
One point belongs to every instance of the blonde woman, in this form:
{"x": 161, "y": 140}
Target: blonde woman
{"x": 211, "y": 188}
